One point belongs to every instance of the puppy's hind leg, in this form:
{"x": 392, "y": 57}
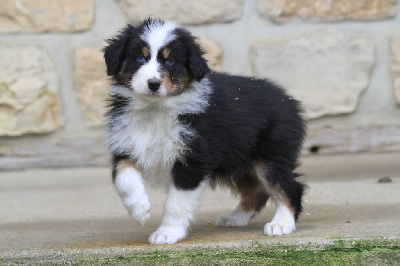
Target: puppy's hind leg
{"x": 283, "y": 222}
{"x": 253, "y": 197}
{"x": 287, "y": 193}
{"x": 131, "y": 188}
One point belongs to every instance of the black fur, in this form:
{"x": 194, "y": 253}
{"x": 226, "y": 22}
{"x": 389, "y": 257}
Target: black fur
{"x": 196, "y": 64}
{"x": 116, "y": 159}
{"x": 247, "y": 121}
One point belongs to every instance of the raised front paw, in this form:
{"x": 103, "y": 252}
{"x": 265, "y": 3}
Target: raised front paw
{"x": 167, "y": 235}
{"x": 278, "y": 228}
{"x": 138, "y": 208}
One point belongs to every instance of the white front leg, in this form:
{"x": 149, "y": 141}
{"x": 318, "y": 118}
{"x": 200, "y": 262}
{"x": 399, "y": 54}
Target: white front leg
{"x": 178, "y": 212}
{"x": 131, "y": 188}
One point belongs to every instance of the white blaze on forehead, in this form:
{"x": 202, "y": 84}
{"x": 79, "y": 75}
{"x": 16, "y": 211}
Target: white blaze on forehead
{"x": 157, "y": 35}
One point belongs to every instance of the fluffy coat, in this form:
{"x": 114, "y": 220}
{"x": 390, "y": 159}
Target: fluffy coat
{"x": 174, "y": 123}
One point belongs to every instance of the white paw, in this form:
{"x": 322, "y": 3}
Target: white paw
{"x": 278, "y": 228}
{"x": 138, "y": 208}
{"x": 167, "y": 235}
{"x": 228, "y": 220}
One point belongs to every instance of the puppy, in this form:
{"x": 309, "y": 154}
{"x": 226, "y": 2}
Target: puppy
{"x": 175, "y": 124}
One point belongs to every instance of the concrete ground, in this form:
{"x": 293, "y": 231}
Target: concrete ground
{"x": 76, "y": 212}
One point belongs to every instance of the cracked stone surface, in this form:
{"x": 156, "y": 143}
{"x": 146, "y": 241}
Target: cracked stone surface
{"x": 46, "y": 15}
{"x": 282, "y": 11}
{"x": 396, "y": 68}
{"x": 29, "y": 101}
{"x": 184, "y": 12}
{"x": 91, "y": 84}
{"x": 326, "y": 71}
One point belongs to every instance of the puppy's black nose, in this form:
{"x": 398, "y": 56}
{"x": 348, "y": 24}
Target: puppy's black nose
{"x": 154, "y": 84}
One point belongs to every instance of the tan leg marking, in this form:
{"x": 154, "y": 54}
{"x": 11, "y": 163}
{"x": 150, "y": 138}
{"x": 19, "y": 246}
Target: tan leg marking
{"x": 253, "y": 194}
{"x": 125, "y": 164}
{"x": 274, "y": 192}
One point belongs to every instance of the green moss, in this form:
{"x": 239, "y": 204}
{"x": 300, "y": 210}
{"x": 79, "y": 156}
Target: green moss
{"x": 359, "y": 252}
{"x": 289, "y": 257}
{"x": 340, "y": 253}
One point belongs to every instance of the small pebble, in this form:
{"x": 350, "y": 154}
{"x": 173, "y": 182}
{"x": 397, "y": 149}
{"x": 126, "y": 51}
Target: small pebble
{"x": 347, "y": 222}
{"x": 385, "y": 179}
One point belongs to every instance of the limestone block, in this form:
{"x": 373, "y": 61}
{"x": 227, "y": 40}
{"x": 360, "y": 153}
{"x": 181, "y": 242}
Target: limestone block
{"x": 28, "y": 92}
{"x": 213, "y": 52}
{"x": 396, "y": 68}
{"x": 326, "y": 71}
{"x": 326, "y": 10}
{"x": 65, "y": 153}
{"x": 46, "y": 15}
{"x": 183, "y": 11}
{"x": 91, "y": 84}
{"x": 372, "y": 138}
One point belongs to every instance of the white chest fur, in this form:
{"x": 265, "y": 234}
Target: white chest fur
{"x": 151, "y": 133}
{"x": 153, "y": 137}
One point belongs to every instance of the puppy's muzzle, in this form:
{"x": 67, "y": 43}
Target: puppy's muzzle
{"x": 154, "y": 84}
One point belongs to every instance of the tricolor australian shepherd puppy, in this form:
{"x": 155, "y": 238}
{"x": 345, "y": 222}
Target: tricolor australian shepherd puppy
{"x": 174, "y": 123}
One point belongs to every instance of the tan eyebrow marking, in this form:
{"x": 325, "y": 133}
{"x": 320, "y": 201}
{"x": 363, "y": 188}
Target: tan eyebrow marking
{"x": 166, "y": 52}
{"x": 146, "y": 51}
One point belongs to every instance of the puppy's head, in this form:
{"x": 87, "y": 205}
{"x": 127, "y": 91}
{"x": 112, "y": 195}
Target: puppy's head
{"x": 155, "y": 59}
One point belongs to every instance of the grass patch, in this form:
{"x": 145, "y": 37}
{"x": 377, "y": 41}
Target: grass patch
{"x": 359, "y": 252}
{"x": 378, "y": 255}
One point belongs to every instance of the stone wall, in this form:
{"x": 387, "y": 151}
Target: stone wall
{"x": 341, "y": 58}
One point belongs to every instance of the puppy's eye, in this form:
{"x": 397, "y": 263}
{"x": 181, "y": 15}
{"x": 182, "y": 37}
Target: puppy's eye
{"x": 170, "y": 61}
{"x": 141, "y": 59}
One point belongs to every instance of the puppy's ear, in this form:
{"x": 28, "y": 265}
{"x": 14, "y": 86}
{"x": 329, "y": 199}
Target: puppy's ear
{"x": 114, "y": 52}
{"x": 198, "y": 65}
